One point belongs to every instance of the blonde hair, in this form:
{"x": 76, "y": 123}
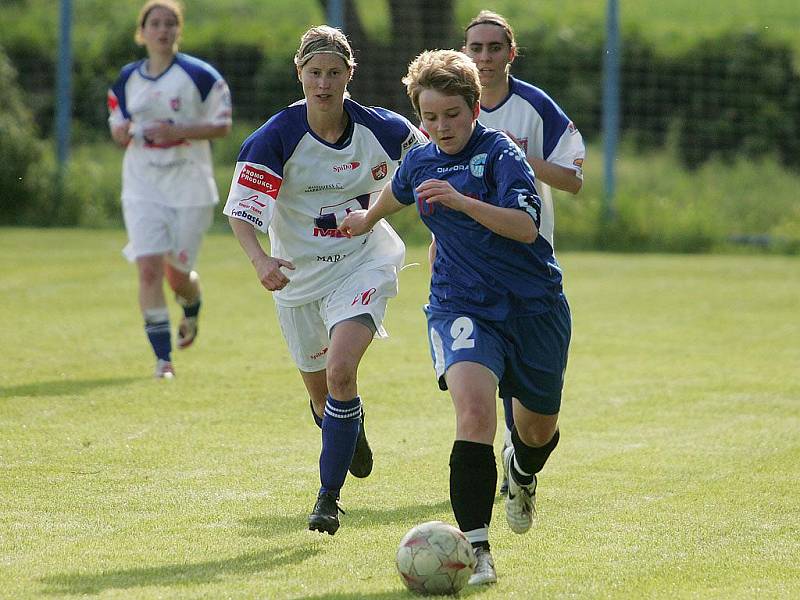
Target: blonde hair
{"x": 324, "y": 40}
{"x": 174, "y": 6}
{"x": 450, "y": 72}
{"x": 487, "y": 17}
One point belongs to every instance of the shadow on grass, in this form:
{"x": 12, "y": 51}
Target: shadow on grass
{"x": 63, "y": 387}
{"x": 399, "y": 594}
{"x": 270, "y": 526}
{"x": 175, "y": 574}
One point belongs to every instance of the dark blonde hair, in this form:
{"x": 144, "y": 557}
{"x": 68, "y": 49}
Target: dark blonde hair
{"x": 447, "y": 71}
{"x": 324, "y": 40}
{"x": 487, "y": 17}
{"x": 174, "y": 6}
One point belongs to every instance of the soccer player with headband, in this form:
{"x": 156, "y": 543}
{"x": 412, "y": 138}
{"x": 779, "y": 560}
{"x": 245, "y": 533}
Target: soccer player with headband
{"x": 296, "y": 178}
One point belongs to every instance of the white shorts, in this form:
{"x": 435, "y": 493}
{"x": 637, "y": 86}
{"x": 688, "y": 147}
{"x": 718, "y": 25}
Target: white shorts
{"x": 307, "y": 328}
{"x": 158, "y": 229}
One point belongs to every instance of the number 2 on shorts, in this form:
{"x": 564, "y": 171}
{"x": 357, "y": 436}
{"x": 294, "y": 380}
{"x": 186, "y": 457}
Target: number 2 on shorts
{"x": 460, "y": 331}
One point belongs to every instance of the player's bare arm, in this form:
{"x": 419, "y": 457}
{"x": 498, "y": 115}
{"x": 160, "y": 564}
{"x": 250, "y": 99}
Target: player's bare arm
{"x": 556, "y": 176}
{"x": 508, "y": 222}
{"x": 359, "y": 222}
{"x": 268, "y": 268}
{"x": 120, "y": 132}
{"x": 552, "y": 174}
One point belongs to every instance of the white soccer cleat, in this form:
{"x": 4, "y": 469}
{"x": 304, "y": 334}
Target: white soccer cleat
{"x": 484, "y": 568}
{"x": 187, "y": 331}
{"x": 164, "y": 370}
{"x": 521, "y": 499}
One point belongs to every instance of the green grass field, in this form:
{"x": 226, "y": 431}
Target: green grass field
{"x": 677, "y": 475}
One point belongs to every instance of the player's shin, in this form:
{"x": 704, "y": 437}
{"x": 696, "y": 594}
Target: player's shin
{"x": 340, "y": 427}
{"x": 473, "y": 480}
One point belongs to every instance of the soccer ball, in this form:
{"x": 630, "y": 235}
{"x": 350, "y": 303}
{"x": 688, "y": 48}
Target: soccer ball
{"x": 435, "y": 558}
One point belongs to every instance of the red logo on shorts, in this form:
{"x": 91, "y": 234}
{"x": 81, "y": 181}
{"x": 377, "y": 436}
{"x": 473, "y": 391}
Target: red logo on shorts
{"x": 364, "y": 297}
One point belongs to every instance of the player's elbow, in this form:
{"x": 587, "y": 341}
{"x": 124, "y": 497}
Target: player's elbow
{"x": 575, "y": 185}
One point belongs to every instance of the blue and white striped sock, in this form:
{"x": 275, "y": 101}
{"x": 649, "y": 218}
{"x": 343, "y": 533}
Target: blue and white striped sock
{"x": 340, "y": 426}
{"x": 156, "y": 326}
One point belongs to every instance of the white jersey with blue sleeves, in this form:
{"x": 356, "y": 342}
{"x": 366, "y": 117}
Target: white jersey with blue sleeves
{"x": 297, "y": 188}
{"x": 477, "y": 272}
{"x": 179, "y": 173}
{"x": 542, "y": 130}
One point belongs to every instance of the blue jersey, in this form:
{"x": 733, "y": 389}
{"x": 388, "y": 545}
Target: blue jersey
{"x": 476, "y": 271}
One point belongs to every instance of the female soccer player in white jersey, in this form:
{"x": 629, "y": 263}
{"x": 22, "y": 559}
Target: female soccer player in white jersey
{"x": 296, "y": 178}
{"x": 550, "y": 141}
{"x": 496, "y": 314}
{"x": 163, "y": 110}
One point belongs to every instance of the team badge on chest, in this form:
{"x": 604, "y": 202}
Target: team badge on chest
{"x": 380, "y": 171}
{"x": 175, "y": 103}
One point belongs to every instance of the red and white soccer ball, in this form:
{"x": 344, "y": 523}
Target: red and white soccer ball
{"x": 435, "y": 558}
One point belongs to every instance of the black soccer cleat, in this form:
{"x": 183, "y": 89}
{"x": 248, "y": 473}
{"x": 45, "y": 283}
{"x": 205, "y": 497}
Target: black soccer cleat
{"x": 325, "y": 516}
{"x": 361, "y": 465}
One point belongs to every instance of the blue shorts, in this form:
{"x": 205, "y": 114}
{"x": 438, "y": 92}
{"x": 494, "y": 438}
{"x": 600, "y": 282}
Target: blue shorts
{"x": 528, "y": 354}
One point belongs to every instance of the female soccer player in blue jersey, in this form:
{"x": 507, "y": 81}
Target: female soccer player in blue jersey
{"x": 296, "y": 178}
{"x": 497, "y": 316}
{"x": 163, "y": 110}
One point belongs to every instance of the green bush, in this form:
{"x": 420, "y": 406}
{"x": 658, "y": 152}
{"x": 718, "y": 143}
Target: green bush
{"x": 23, "y": 178}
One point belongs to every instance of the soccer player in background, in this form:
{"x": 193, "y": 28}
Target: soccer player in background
{"x": 163, "y": 111}
{"x": 550, "y": 141}
{"x": 296, "y": 178}
{"x": 496, "y": 315}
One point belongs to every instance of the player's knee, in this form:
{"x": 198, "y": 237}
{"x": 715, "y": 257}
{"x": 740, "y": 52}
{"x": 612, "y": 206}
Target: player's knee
{"x": 150, "y": 275}
{"x": 536, "y": 435}
{"x": 475, "y": 422}
{"x": 341, "y": 379}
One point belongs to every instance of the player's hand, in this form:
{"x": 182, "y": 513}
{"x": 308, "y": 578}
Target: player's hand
{"x": 121, "y": 132}
{"x": 355, "y": 223}
{"x": 436, "y": 191}
{"x": 162, "y": 132}
{"x": 268, "y": 269}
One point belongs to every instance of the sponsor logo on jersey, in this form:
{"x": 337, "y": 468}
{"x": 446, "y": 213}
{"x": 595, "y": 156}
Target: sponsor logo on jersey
{"x": 242, "y": 214}
{"x": 578, "y": 162}
{"x": 327, "y": 187}
{"x": 113, "y": 103}
{"x": 522, "y": 143}
{"x": 380, "y": 171}
{"x": 331, "y": 258}
{"x": 410, "y": 141}
{"x": 477, "y": 164}
{"x": 252, "y": 204}
{"x": 175, "y": 103}
{"x": 259, "y": 180}
{"x": 331, "y": 233}
{"x": 453, "y": 168}
{"x": 351, "y": 166}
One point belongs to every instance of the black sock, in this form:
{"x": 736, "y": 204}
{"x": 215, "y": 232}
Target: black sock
{"x": 192, "y": 310}
{"x": 530, "y": 459}
{"x": 473, "y": 480}
{"x": 317, "y": 419}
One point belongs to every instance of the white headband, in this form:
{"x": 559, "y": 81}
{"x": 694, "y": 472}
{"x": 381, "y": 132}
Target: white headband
{"x": 348, "y": 61}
